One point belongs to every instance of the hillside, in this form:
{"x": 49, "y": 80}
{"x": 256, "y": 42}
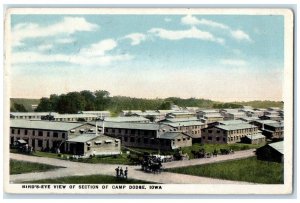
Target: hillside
{"x": 26, "y": 102}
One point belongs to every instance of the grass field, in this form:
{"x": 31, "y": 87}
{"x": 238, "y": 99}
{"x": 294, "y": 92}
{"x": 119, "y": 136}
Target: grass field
{"x": 91, "y": 179}
{"x": 211, "y": 147}
{"x": 18, "y": 167}
{"x": 249, "y": 170}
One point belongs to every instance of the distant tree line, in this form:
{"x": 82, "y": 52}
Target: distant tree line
{"x": 100, "y": 100}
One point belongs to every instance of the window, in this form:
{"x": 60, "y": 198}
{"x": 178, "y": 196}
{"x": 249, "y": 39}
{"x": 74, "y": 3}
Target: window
{"x": 88, "y": 148}
{"x": 132, "y": 131}
{"x": 209, "y": 138}
{"x": 33, "y": 132}
{"x": 139, "y": 140}
{"x": 12, "y": 131}
{"x": 40, "y": 143}
{"x": 48, "y": 134}
{"x": 18, "y": 131}
{"x": 131, "y": 139}
{"x": 125, "y": 138}
{"x": 146, "y": 140}
{"x": 63, "y": 135}
{"x": 26, "y": 132}
{"x": 217, "y": 138}
{"x": 152, "y": 141}
{"x": 55, "y": 134}
{"x": 40, "y": 133}
{"x": 224, "y": 139}
{"x": 113, "y": 130}
{"x": 209, "y": 131}
{"x": 178, "y": 140}
{"x": 183, "y": 139}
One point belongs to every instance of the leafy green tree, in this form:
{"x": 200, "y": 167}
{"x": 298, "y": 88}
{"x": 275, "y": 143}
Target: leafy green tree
{"x": 45, "y": 105}
{"x": 102, "y": 100}
{"x": 19, "y": 108}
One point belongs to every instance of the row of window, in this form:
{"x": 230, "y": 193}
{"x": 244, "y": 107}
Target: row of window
{"x": 129, "y": 131}
{"x": 39, "y": 133}
{"x": 217, "y": 138}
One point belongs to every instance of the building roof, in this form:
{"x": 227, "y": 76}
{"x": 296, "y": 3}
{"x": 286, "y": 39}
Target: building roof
{"x": 74, "y": 116}
{"x": 213, "y": 115}
{"x": 83, "y": 138}
{"x": 278, "y": 146}
{"x": 128, "y": 125}
{"x": 266, "y": 121}
{"x": 171, "y": 135}
{"x": 276, "y": 125}
{"x": 248, "y": 119}
{"x": 44, "y": 125}
{"x": 237, "y": 113}
{"x": 32, "y": 113}
{"x": 231, "y": 122}
{"x": 255, "y": 136}
{"x": 208, "y": 111}
{"x": 182, "y": 113}
{"x": 126, "y": 119}
{"x": 188, "y": 123}
{"x": 180, "y": 119}
{"x": 234, "y": 127}
{"x": 95, "y": 112}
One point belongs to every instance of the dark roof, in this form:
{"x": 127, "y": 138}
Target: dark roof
{"x": 44, "y": 125}
{"x": 171, "y": 135}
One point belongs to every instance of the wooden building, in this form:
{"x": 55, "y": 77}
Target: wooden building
{"x": 271, "y": 152}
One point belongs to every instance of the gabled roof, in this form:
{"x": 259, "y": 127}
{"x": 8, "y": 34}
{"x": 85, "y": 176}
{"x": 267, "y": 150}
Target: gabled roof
{"x": 231, "y": 122}
{"x": 278, "y": 146}
{"x": 188, "y": 123}
{"x": 83, "y": 138}
{"x": 126, "y": 119}
{"x": 255, "y": 136}
{"x": 128, "y": 125}
{"x": 172, "y": 135}
{"x": 276, "y": 125}
{"x": 174, "y": 120}
{"x": 44, "y": 125}
{"x": 235, "y": 127}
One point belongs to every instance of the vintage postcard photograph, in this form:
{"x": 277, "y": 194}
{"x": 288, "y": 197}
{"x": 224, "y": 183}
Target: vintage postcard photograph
{"x": 148, "y": 101}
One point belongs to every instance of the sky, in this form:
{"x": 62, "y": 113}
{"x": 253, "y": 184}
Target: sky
{"x": 218, "y": 57}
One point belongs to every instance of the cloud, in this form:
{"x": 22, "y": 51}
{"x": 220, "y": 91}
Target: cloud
{"x": 45, "y": 47}
{"x": 67, "y": 26}
{"x": 99, "y": 48}
{"x": 192, "y": 33}
{"x": 240, "y": 35}
{"x": 167, "y": 19}
{"x": 65, "y": 40}
{"x": 136, "y": 38}
{"x": 94, "y": 55}
{"x": 233, "y": 62}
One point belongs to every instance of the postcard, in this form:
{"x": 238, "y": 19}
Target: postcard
{"x": 148, "y": 101}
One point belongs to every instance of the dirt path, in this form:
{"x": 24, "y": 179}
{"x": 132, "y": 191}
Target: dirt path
{"x": 81, "y": 169}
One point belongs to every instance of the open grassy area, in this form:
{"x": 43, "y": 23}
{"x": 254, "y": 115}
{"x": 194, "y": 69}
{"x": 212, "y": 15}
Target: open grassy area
{"x": 18, "y": 167}
{"x": 91, "y": 179}
{"x": 211, "y": 147}
{"x": 249, "y": 170}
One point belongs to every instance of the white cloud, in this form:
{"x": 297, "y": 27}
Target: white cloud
{"x": 240, "y": 35}
{"x": 233, "y": 62}
{"x": 45, "y": 47}
{"x": 167, "y": 19}
{"x": 65, "y": 40}
{"x": 95, "y": 54}
{"x": 68, "y": 25}
{"x": 192, "y": 33}
{"x": 191, "y": 20}
{"x": 99, "y": 48}
{"x": 236, "y": 34}
{"x": 136, "y": 38}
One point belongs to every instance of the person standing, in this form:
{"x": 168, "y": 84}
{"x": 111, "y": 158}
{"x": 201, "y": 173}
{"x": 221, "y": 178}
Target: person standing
{"x": 121, "y": 173}
{"x": 117, "y": 172}
{"x": 126, "y": 173}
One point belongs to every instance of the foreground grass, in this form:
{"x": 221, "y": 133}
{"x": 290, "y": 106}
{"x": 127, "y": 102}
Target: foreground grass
{"x": 18, "y": 167}
{"x": 248, "y": 170}
{"x": 91, "y": 179}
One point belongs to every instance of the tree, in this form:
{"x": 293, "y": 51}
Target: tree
{"x": 45, "y": 105}
{"x": 102, "y": 100}
{"x": 89, "y": 99}
{"x": 19, "y": 108}
{"x": 166, "y": 105}
{"x": 70, "y": 103}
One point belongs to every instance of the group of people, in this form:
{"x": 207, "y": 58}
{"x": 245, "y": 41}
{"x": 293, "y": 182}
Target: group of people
{"x": 120, "y": 173}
